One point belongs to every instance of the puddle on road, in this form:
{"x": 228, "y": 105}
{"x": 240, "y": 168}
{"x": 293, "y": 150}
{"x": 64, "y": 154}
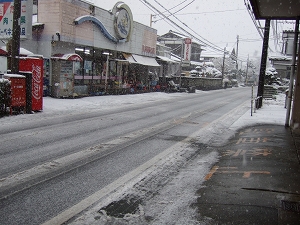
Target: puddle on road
{"x": 119, "y": 209}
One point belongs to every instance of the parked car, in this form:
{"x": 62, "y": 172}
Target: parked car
{"x": 194, "y": 73}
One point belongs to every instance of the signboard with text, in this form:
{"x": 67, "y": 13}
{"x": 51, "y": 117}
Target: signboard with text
{"x": 187, "y": 49}
{"x": 6, "y": 19}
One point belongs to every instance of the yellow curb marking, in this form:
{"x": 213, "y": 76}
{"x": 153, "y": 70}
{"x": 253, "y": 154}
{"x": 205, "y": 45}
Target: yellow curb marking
{"x": 258, "y": 131}
{"x": 211, "y": 172}
{"x": 251, "y": 140}
{"x": 232, "y": 170}
{"x": 246, "y": 174}
{"x": 253, "y": 152}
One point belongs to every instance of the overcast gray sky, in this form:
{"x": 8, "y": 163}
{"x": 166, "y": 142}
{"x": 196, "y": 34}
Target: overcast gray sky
{"x": 218, "y": 21}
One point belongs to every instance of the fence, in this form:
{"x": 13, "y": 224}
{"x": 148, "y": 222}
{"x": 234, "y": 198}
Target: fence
{"x": 201, "y": 83}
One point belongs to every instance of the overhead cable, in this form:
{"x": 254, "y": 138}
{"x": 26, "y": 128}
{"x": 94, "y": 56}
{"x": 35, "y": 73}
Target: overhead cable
{"x": 178, "y": 10}
{"x": 206, "y": 42}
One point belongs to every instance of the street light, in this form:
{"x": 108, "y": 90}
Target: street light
{"x": 107, "y": 67}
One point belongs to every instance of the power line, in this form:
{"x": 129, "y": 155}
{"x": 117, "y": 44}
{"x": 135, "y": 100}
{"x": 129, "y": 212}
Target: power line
{"x": 258, "y": 26}
{"x": 199, "y": 13}
{"x": 219, "y": 11}
{"x": 202, "y": 40}
{"x": 253, "y": 18}
{"x": 156, "y": 12}
{"x": 206, "y": 42}
{"x": 178, "y": 5}
{"x": 178, "y": 10}
{"x": 183, "y": 14}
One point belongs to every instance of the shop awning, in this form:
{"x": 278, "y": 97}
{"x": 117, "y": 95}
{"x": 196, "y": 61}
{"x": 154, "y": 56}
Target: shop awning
{"x": 166, "y": 59}
{"x": 129, "y": 58}
{"x": 146, "y": 61}
{"x": 142, "y": 60}
{"x": 23, "y": 51}
{"x": 68, "y": 57}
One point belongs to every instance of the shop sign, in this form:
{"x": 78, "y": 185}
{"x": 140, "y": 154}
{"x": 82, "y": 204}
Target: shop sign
{"x": 187, "y": 49}
{"x": 147, "y": 50}
{"x": 6, "y": 18}
{"x": 66, "y": 70}
{"x": 149, "y": 42}
{"x": 122, "y": 24}
{"x": 123, "y": 21}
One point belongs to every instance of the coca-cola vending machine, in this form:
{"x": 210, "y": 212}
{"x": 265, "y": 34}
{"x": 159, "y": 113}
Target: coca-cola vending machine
{"x": 35, "y": 66}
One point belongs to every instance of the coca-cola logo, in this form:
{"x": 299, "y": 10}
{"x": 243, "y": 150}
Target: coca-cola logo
{"x": 35, "y": 91}
{"x": 36, "y": 81}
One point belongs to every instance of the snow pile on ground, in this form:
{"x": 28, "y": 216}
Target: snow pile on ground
{"x": 54, "y": 105}
{"x": 272, "y": 112}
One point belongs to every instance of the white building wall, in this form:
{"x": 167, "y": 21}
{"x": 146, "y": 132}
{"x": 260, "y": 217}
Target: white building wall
{"x": 59, "y": 15}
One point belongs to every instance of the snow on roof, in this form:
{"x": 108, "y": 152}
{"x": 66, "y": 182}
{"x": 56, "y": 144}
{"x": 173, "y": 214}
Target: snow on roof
{"x": 209, "y": 63}
{"x": 2, "y": 80}
{"x": 182, "y": 36}
{"x": 23, "y": 51}
{"x": 280, "y": 58}
{"x": 13, "y": 76}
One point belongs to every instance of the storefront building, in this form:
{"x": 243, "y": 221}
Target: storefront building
{"x": 169, "y": 67}
{"x": 91, "y": 51}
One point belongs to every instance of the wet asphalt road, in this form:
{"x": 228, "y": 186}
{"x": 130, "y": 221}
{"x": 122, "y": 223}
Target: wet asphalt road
{"x": 51, "y": 195}
{"x": 256, "y": 180}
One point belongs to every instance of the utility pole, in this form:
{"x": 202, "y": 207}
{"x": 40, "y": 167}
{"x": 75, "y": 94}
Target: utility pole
{"x": 263, "y": 64}
{"x": 181, "y": 59}
{"x": 246, "y": 79}
{"x": 237, "y": 54}
{"x": 151, "y": 19}
{"x": 15, "y": 47}
{"x": 223, "y": 67}
{"x": 293, "y": 74}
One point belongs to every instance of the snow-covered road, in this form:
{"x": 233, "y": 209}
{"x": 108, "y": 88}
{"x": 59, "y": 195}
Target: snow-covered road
{"x": 173, "y": 200}
{"x": 176, "y": 188}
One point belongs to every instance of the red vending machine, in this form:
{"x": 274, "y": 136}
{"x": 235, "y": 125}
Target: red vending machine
{"x": 18, "y": 91}
{"x": 35, "y": 66}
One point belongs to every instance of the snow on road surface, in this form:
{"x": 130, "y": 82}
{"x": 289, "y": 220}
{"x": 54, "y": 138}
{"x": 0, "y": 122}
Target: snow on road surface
{"x": 164, "y": 191}
{"x": 163, "y": 194}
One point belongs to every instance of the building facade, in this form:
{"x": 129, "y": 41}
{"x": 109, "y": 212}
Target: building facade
{"x": 177, "y": 43}
{"x": 283, "y": 63}
{"x": 88, "y": 50}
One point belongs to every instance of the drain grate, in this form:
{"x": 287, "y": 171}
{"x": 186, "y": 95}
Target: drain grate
{"x": 290, "y": 206}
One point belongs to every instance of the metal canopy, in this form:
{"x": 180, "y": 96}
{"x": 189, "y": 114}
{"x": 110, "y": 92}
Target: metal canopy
{"x": 146, "y": 61}
{"x": 276, "y": 9}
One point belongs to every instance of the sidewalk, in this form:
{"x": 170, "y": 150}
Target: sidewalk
{"x": 256, "y": 181}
